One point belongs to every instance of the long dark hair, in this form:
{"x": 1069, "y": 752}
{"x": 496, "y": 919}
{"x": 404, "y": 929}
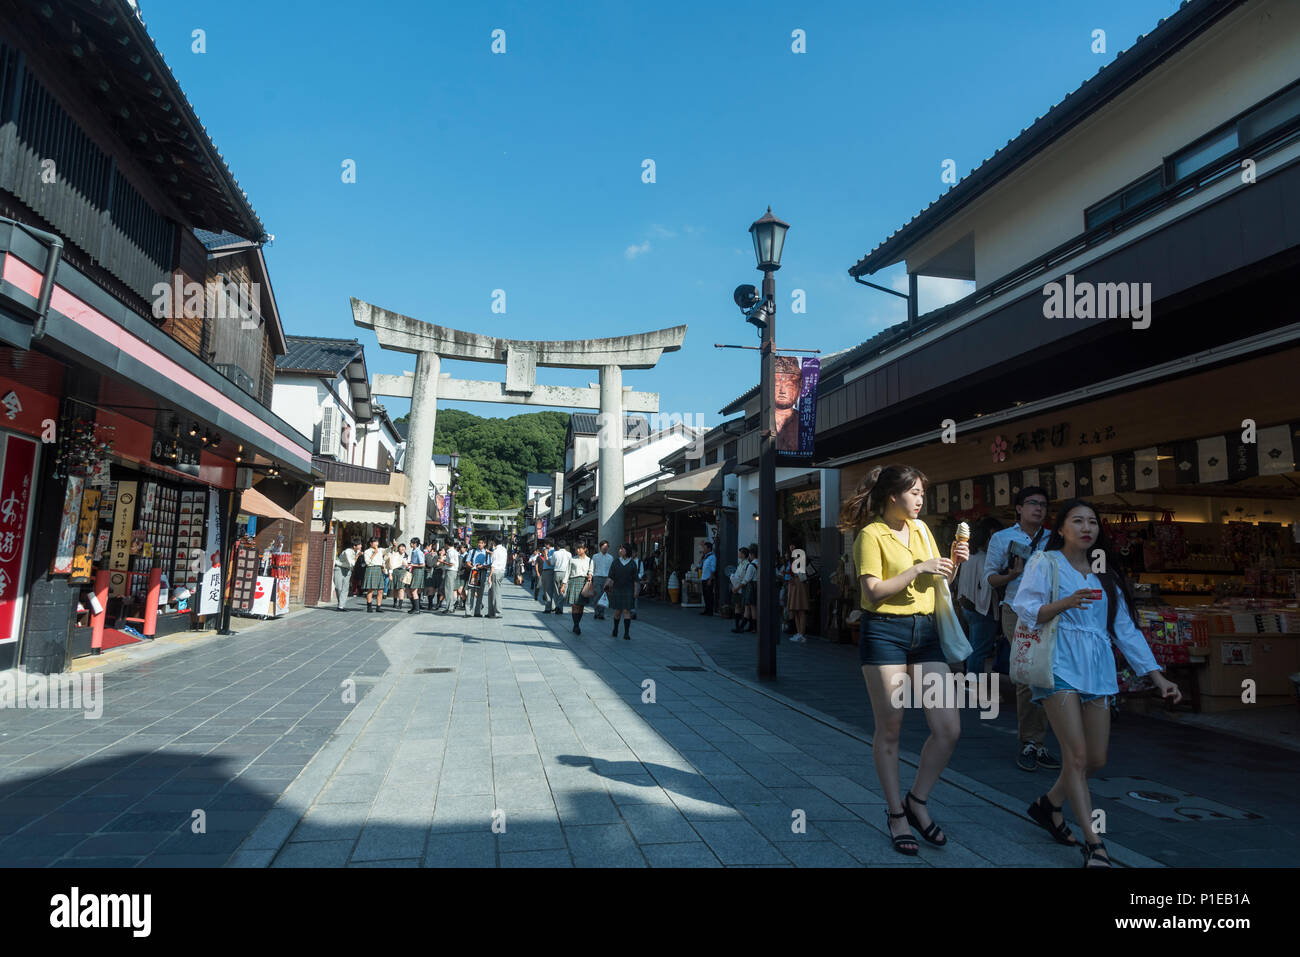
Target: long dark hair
{"x": 868, "y": 501}
{"x": 1113, "y": 579}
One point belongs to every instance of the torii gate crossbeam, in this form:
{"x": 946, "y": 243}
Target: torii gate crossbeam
{"x": 430, "y": 343}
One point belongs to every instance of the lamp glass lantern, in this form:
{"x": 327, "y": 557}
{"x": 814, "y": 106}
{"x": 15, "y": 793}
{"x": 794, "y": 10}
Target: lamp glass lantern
{"x": 455, "y": 460}
{"x": 769, "y": 240}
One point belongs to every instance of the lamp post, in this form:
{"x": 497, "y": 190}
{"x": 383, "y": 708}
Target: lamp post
{"x": 768, "y": 234}
{"x": 454, "y": 488}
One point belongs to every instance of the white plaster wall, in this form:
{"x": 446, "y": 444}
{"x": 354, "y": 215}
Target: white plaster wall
{"x": 1243, "y": 59}
{"x": 299, "y": 401}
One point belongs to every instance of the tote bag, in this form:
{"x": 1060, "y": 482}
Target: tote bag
{"x": 952, "y": 636}
{"x": 1032, "y": 652}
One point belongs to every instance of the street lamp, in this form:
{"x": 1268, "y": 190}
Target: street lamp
{"x": 768, "y": 234}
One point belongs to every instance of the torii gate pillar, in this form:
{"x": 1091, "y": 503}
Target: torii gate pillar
{"x": 610, "y": 456}
{"x": 419, "y": 435}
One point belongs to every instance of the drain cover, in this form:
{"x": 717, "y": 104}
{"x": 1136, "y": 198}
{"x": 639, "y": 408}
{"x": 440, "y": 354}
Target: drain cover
{"x": 433, "y": 671}
{"x": 685, "y": 668}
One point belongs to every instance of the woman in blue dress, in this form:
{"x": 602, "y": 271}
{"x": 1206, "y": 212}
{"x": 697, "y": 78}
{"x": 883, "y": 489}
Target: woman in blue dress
{"x": 1093, "y": 606}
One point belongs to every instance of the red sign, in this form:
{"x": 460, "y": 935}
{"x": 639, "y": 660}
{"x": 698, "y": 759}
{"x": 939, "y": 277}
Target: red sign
{"x": 15, "y": 510}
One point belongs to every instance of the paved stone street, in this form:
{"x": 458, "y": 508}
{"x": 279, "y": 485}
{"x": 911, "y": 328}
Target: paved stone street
{"x": 1235, "y": 802}
{"x": 533, "y": 748}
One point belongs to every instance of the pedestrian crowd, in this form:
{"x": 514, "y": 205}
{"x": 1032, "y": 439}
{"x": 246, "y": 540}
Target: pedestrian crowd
{"x": 425, "y": 576}
{"x": 1037, "y": 606}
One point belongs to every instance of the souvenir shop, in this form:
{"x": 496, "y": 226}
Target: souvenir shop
{"x": 1196, "y": 481}
{"x": 141, "y": 528}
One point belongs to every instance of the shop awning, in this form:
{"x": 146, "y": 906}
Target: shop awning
{"x": 253, "y": 502}
{"x": 365, "y": 513}
{"x": 699, "y": 486}
{"x": 394, "y": 491}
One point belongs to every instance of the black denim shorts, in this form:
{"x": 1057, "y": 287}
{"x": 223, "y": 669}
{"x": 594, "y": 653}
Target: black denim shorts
{"x": 898, "y": 639}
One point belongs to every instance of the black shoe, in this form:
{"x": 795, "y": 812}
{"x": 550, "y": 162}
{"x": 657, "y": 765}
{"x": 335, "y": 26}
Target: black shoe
{"x": 577, "y": 630}
{"x": 478, "y": 614}
{"x": 614, "y": 633}
{"x": 1041, "y": 811}
{"x": 903, "y": 843}
{"x": 1028, "y": 760}
{"x": 1096, "y": 852}
{"x": 370, "y": 609}
{"x": 1047, "y": 760}
{"x": 933, "y": 833}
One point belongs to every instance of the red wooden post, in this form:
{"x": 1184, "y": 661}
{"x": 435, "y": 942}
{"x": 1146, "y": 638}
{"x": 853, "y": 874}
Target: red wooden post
{"x": 151, "y": 603}
{"x": 100, "y": 593}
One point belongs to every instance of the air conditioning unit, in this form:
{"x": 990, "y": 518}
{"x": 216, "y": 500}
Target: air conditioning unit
{"x": 330, "y": 429}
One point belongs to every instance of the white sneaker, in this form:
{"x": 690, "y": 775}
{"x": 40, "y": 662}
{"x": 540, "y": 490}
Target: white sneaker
{"x": 796, "y": 637}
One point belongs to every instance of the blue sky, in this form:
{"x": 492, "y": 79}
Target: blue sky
{"x": 522, "y": 171}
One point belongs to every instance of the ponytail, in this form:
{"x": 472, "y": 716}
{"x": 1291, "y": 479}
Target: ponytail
{"x": 872, "y": 494}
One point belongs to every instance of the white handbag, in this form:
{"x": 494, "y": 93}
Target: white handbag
{"x": 1033, "y": 652}
{"x": 952, "y": 636}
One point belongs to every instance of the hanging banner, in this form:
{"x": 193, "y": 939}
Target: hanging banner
{"x": 1146, "y": 469}
{"x": 1243, "y": 463}
{"x": 444, "y": 516}
{"x": 1002, "y": 489}
{"x": 15, "y": 516}
{"x": 210, "y": 590}
{"x": 83, "y": 557}
{"x": 1125, "y": 472}
{"x": 1083, "y": 478}
{"x": 966, "y": 491}
{"x": 1103, "y": 475}
{"x": 119, "y": 554}
{"x": 1212, "y": 459}
{"x": 1276, "y": 454}
{"x": 1065, "y": 487}
{"x": 795, "y": 404}
{"x": 66, "y": 544}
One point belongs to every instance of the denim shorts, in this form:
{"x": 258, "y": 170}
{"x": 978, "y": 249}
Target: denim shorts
{"x": 1038, "y": 694}
{"x": 898, "y": 640}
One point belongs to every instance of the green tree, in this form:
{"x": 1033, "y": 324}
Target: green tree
{"x": 499, "y": 452}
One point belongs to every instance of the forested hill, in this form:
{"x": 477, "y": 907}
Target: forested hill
{"x": 497, "y": 454}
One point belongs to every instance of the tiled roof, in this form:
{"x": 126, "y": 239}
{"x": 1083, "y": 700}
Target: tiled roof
{"x": 312, "y": 354}
{"x": 588, "y": 423}
{"x": 211, "y": 240}
{"x": 1148, "y": 51}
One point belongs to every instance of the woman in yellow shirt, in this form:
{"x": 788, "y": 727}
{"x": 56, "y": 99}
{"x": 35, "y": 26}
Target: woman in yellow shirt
{"x": 898, "y": 639}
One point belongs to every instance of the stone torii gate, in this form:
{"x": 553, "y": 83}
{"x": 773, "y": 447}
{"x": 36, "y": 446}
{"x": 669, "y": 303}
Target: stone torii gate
{"x": 500, "y": 519}
{"x": 430, "y": 343}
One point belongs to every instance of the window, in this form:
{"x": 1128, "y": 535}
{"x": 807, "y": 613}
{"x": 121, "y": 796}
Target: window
{"x": 713, "y": 457}
{"x": 1203, "y": 153}
{"x": 1274, "y": 114}
{"x": 1127, "y": 198}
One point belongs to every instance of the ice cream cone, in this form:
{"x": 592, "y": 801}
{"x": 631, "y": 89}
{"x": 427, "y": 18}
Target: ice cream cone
{"x": 963, "y": 532}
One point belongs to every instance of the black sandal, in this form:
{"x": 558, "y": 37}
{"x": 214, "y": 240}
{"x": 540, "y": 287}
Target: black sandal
{"x": 903, "y": 843}
{"x": 929, "y": 833}
{"x": 1098, "y": 853}
{"x": 1041, "y": 811}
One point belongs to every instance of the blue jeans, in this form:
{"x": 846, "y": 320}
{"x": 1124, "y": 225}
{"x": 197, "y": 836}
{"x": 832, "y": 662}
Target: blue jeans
{"x": 983, "y": 630}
